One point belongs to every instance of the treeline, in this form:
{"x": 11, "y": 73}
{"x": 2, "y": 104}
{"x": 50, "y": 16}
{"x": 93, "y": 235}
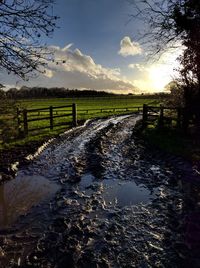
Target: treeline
{"x": 54, "y": 92}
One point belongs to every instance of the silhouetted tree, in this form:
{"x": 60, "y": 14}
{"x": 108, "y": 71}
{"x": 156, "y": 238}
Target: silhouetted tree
{"x": 176, "y": 97}
{"x": 23, "y": 23}
{"x": 169, "y": 23}
{"x": 173, "y": 23}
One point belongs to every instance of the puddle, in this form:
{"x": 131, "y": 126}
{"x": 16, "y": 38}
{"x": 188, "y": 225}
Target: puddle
{"x": 18, "y": 196}
{"x": 117, "y": 192}
{"x": 86, "y": 181}
{"x": 125, "y": 193}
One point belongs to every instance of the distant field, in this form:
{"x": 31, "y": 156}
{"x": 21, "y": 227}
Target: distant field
{"x": 89, "y": 102}
{"x": 90, "y": 107}
{"x": 87, "y": 107}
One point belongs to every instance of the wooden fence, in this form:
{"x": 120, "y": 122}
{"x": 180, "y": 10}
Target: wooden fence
{"x": 27, "y": 116}
{"x": 28, "y": 119}
{"x": 111, "y": 110}
{"x": 164, "y": 116}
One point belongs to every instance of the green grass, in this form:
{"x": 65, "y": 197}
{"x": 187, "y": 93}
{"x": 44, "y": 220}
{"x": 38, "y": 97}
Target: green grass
{"x": 104, "y": 106}
{"x": 87, "y": 108}
{"x": 89, "y": 102}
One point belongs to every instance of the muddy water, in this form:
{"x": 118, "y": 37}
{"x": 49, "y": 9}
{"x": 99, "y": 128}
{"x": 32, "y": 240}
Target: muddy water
{"x": 18, "y": 196}
{"x": 117, "y": 192}
{"x": 115, "y": 206}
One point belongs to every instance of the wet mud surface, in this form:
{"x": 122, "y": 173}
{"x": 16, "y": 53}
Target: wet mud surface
{"x": 18, "y": 154}
{"x": 107, "y": 202}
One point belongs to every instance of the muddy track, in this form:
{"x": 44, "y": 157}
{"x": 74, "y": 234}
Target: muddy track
{"x": 115, "y": 205}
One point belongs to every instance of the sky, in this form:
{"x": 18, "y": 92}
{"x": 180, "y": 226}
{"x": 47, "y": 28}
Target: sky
{"x": 98, "y": 43}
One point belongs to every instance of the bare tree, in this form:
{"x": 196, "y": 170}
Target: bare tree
{"x": 172, "y": 23}
{"x": 158, "y": 16}
{"x": 23, "y": 24}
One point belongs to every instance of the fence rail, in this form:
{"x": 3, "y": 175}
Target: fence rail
{"x": 164, "y": 115}
{"x": 26, "y": 116}
{"x": 111, "y": 109}
{"x": 100, "y": 110}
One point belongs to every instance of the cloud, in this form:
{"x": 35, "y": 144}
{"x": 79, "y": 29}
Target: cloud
{"x": 70, "y": 68}
{"x": 137, "y": 66}
{"x": 129, "y": 48}
{"x": 73, "y": 69}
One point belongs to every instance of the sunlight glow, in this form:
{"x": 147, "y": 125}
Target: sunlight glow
{"x": 153, "y": 77}
{"x": 159, "y": 76}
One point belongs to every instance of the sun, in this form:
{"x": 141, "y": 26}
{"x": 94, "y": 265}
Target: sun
{"x": 153, "y": 77}
{"x": 159, "y": 76}
{"x": 164, "y": 71}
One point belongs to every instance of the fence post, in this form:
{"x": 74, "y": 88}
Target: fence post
{"x": 74, "y": 114}
{"x": 18, "y": 122}
{"x": 51, "y": 117}
{"x": 145, "y": 115}
{"x": 25, "y": 122}
{"x": 161, "y": 117}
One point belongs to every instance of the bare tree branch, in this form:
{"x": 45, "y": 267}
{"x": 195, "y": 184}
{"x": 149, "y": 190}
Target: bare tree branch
{"x": 23, "y": 24}
{"x": 158, "y": 16}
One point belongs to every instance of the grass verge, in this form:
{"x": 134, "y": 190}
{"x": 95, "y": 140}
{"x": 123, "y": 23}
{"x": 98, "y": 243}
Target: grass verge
{"x": 173, "y": 141}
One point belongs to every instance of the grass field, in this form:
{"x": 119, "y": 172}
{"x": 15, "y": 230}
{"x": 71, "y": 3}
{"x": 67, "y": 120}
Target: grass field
{"x": 89, "y": 102}
{"x": 87, "y": 108}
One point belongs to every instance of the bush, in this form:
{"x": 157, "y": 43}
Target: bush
{"x": 8, "y": 120}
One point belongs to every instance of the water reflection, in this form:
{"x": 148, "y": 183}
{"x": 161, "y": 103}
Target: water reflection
{"x": 19, "y": 195}
{"x": 114, "y": 191}
{"x": 125, "y": 193}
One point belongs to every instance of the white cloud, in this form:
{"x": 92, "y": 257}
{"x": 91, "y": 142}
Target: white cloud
{"x": 137, "y": 66}
{"x": 70, "y": 68}
{"x": 129, "y": 48}
{"x": 73, "y": 69}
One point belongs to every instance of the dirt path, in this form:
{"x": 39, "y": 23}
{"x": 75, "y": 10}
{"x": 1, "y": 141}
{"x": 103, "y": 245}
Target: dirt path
{"x": 102, "y": 201}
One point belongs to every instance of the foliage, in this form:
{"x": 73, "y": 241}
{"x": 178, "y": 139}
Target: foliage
{"x": 176, "y": 97}
{"x": 23, "y": 24}
{"x": 173, "y": 23}
{"x": 8, "y": 120}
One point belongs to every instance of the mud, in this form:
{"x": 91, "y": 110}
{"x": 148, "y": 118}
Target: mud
{"x": 16, "y": 155}
{"x": 117, "y": 205}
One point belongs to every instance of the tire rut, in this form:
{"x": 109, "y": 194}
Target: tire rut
{"x": 88, "y": 229}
